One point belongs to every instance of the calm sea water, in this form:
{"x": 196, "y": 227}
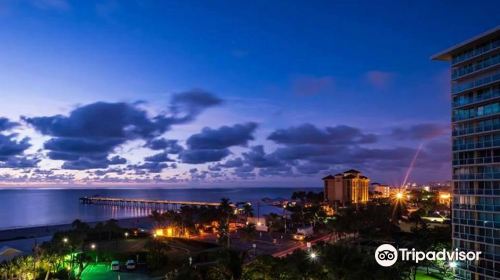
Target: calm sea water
{"x": 35, "y": 207}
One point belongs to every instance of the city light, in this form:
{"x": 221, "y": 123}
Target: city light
{"x": 313, "y": 255}
{"x": 92, "y": 246}
{"x": 126, "y": 234}
{"x": 65, "y": 240}
{"x": 453, "y": 264}
{"x": 399, "y": 195}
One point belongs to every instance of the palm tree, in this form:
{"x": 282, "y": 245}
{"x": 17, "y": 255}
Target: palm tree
{"x": 80, "y": 226}
{"x": 157, "y": 217}
{"x": 226, "y": 212}
{"x": 248, "y": 210}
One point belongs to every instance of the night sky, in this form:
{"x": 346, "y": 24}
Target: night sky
{"x": 227, "y": 93}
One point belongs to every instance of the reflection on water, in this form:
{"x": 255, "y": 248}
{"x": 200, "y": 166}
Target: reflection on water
{"x": 22, "y": 208}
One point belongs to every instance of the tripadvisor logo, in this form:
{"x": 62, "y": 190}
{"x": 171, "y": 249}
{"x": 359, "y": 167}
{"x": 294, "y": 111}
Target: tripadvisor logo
{"x": 387, "y": 255}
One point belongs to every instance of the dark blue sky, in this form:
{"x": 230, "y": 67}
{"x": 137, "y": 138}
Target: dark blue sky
{"x": 355, "y": 77}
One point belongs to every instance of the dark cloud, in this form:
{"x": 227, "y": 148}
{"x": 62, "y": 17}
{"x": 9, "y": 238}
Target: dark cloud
{"x": 20, "y": 162}
{"x": 187, "y": 105}
{"x": 223, "y": 137}
{"x": 160, "y": 157}
{"x": 422, "y": 131}
{"x": 258, "y": 158}
{"x": 170, "y": 146}
{"x": 6, "y": 124}
{"x": 310, "y": 134}
{"x": 10, "y": 146}
{"x": 117, "y": 160}
{"x": 86, "y": 137}
{"x": 151, "y": 167}
{"x": 211, "y": 145}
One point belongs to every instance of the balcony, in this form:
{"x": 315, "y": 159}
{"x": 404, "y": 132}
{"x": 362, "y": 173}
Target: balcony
{"x": 493, "y": 45}
{"x": 488, "y": 95}
{"x": 476, "y": 145}
{"x": 479, "y": 160}
{"x": 464, "y": 86}
{"x": 475, "y": 67}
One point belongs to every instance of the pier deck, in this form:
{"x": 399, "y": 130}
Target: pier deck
{"x": 142, "y": 203}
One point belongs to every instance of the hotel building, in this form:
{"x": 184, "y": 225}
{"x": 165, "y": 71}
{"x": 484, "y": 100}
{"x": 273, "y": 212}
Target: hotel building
{"x": 350, "y": 187}
{"x": 475, "y": 91}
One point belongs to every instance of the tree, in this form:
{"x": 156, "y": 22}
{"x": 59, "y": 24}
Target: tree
{"x": 248, "y": 210}
{"x": 226, "y": 212}
{"x": 248, "y": 232}
{"x": 112, "y": 228}
{"x": 157, "y": 217}
{"x": 157, "y": 254}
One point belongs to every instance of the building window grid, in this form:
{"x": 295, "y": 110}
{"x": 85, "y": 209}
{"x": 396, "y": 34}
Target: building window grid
{"x": 470, "y": 68}
{"x": 476, "y": 96}
{"x": 479, "y": 50}
{"x": 480, "y": 81}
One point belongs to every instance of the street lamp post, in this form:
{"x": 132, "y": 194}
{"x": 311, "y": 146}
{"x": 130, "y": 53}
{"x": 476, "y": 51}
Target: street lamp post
{"x": 93, "y": 247}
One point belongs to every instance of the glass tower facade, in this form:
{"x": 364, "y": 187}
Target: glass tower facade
{"x": 475, "y": 91}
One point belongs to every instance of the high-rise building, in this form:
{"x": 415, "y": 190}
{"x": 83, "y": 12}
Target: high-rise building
{"x": 350, "y": 187}
{"x": 475, "y": 91}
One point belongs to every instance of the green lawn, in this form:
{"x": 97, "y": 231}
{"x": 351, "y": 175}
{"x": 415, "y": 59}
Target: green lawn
{"x": 103, "y": 272}
{"x": 423, "y": 276}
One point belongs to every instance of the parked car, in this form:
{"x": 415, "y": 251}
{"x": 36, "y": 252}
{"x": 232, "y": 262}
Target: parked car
{"x": 130, "y": 264}
{"x": 115, "y": 265}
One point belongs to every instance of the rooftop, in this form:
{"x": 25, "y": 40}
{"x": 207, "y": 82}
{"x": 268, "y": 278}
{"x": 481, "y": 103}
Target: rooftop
{"x": 476, "y": 40}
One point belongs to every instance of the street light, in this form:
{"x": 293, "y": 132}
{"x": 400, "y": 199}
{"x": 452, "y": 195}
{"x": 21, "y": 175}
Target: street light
{"x": 452, "y": 264}
{"x": 399, "y": 195}
{"x": 65, "y": 240}
{"x": 313, "y": 255}
{"x": 126, "y": 234}
{"x": 93, "y": 247}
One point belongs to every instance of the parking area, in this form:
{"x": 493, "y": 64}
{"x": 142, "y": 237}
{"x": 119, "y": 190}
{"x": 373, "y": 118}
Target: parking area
{"x": 103, "y": 272}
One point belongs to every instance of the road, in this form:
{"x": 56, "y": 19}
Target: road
{"x": 301, "y": 246}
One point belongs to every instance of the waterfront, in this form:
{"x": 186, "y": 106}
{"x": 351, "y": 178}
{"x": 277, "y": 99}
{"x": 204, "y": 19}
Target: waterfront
{"x": 40, "y": 207}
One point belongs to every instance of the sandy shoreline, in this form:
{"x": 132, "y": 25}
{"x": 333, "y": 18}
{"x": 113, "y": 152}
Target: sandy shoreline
{"x": 43, "y": 231}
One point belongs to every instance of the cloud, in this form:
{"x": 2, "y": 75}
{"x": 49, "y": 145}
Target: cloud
{"x": 307, "y": 85}
{"x": 258, "y": 158}
{"x": 310, "y": 134}
{"x": 86, "y": 137}
{"x": 6, "y": 124}
{"x": 204, "y": 155}
{"x": 170, "y": 146}
{"x": 152, "y": 167}
{"x": 160, "y": 157}
{"x": 10, "y": 146}
{"x": 223, "y": 137}
{"x": 422, "y": 131}
{"x": 212, "y": 145}
{"x": 379, "y": 79}
{"x": 12, "y": 149}
{"x": 187, "y": 105}
{"x": 20, "y": 162}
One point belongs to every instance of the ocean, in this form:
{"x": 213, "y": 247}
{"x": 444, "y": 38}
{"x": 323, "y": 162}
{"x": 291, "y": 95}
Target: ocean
{"x": 39, "y": 207}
